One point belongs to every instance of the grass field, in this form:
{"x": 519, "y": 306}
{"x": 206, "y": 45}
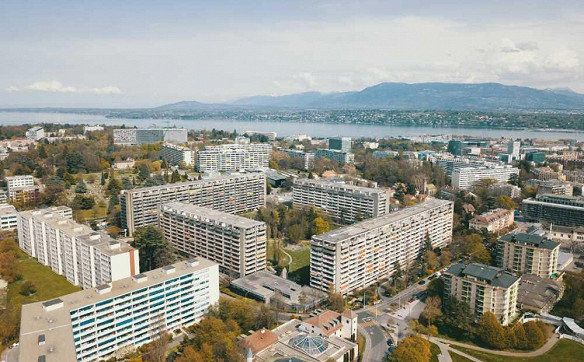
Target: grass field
{"x": 458, "y": 358}
{"x": 299, "y": 269}
{"x": 435, "y": 350}
{"x": 565, "y": 350}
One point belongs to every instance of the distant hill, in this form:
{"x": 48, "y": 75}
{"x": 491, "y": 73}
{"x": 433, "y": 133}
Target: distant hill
{"x": 428, "y": 96}
{"x": 187, "y": 106}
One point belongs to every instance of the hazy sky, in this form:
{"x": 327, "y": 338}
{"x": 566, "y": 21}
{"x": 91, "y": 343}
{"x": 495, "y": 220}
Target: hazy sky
{"x": 147, "y": 53}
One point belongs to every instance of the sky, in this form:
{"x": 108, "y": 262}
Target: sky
{"x": 148, "y": 53}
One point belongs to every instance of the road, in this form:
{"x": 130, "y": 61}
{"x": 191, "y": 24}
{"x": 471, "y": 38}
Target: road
{"x": 10, "y": 355}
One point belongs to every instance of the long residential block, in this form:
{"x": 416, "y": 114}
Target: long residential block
{"x": 85, "y": 257}
{"x": 175, "y": 154}
{"x": 465, "y": 177}
{"x": 113, "y": 319}
{"x": 361, "y": 254}
{"x": 231, "y": 194}
{"x": 528, "y": 254}
{"x": 140, "y": 136}
{"x": 343, "y": 203}
{"x": 555, "y": 209}
{"x": 237, "y": 243}
{"x": 234, "y": 157}
{"x": 8, "y": 217}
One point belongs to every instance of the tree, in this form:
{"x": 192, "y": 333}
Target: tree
{"x": 412, "y": 349}
{"x": 114, "y": 186}
{"x": 150, "y": 242}
{"x": 190, "y": 354}
{"x": 430, "y": 261}
{"x": 490, "y": 331}
{"x": 457, "y": 317}
{"x": 432, "y": 311}
{"x": 321, "y": 226}
{"x": 445, "y": 257}
{"x": 80, "y": 188}
{"x": 28, "y": 289}
{"x": 506, "y": 202}
{"x": 81, "y": 202}
{"x": 516, "y": 336}
{"x": 295, "y": 233}
{"x": 143, "y": 172}
{"x": 336, "y": 300}
{"x": 534, "y": 334}
{"x": 175, "y": 177}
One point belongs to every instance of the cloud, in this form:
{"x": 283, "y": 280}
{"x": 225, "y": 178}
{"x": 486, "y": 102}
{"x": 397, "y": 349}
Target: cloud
{"x": 54, "y": 86}
{"x": 306, "y": 78}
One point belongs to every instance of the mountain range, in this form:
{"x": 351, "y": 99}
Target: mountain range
{"x": 410, "y": 96}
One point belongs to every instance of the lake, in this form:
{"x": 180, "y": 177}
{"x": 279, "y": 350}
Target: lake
{"x": 285, "y": 128}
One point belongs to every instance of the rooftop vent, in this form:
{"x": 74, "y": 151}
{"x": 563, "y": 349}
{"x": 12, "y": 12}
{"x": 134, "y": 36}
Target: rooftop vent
{"x": 51, "y": 305}
{"x": 95, "y": 236}
{"x": 169, "y": 269}
{"x": 140, "y": 278}
{"x": 192, "y": 262}
{"x": 102, "y": 289}
{"x": 114, "y": 245}
{"x": 41, "y": 339}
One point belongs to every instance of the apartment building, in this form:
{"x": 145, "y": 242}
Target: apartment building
{"x": 359, "y": 255}
{"x": 576, "y": 176}
{"x": 236, "y": 243}
{"x": 234, "y": 157}
{"x": 555, "y": 209}
{"x": 493, "y": 221}
{"x": 140, "y": 136}
{"x": 85, "y": 257}
{"x": 341, "y": 157}
{"x": 174, "y": 155}
{"x": 553, "y": 187}
{"x": 340, "y": 143}
{"x": 36, "y": 133}
{"x": 504, "y": 189}
{"x": 113, "y": 319}
{"x": 8, "y": 217}
{"x": 547, "y": 173}
{"x": 343, "y": 203}
{"x": 464, "y": 177}
{"x": 306, "y": 157}
{"x": 14, "y": 182}
{"x": 528, "y": 254}
{"x": 484, "y": 288}
{"x": 231, "y": 194}
{"x": 3, "y": 197}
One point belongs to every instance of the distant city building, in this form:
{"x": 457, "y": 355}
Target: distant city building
{"x": 92, "y": 128}
{"x": 85, "y": 257}
{"x": 270, "y": 135}
{"x": 528, "y": 254}
{"x": 576, "y": 176}
{"x": 124, "y": 165}
{"x": 514, "y": 149}
{"x": 493, "y": 221}
{"x": 19, "y": 181}
{"x": 242, "y": 140}
{"x": 174, "y": 155}
{"x": 538, "y": 295}
{"x": 565, "y": 234}
{"x": 357, "y": 256}
{"x": 140, "y": 136}
{"x": 385, "y": 154}
{"x": 8, "y": 217}
{"x": 455, "y": 147}
{"x": 547, "y": 173}
{"x": 36, "y": 133}
{"x": 340, "y": 143}
{"x": 554, "y": 187}
{"x": 484, "y": 288}
{"x": 236, "y": 243}
{"x": 113, "y": 319}
{"x": 343, "y": 203}
{"x": 465, "y": 177}
{"x": 232, "y": 194}
{"x": 306, "y": 157}
{"x": 371, "y": 145}
{"x": 323, "y": 337}
{"x": 535, "y": 157}
{"x": 504, "y": 189}
{"x": 555, "y": 209}
{"x": 341, "y": 157}
{"x": 234, "y": 157}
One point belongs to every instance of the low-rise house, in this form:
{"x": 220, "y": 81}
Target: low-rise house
{"x": 493, "y": 221}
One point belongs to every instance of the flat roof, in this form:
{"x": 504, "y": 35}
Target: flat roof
{"x": 205, "y": 213}
{"x": 339, "y": 186}
{"x": 530, "y": 239}
{"x": 494, "y": 276}
{"x": 347, "y": 232}
{"x": 7, "y": 209}
{"x": 55, "y": 323}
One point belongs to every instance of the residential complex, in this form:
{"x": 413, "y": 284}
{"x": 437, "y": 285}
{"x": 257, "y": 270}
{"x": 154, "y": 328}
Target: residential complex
{"x": 340, "y": 143}
{"x": 553, "y": 187}
{"x": 504, "y": 189}
{"x": 547, "y": 173}
{"x": 528, "y": 254}
{"x": 36, "y": 133}
{"x": 93, "y": 324}
{"x": 325, "y": 336}
{"x": 140, "y": 136}
{"x": 22, "y": 189}
{"x": 537, "y": 294}
{"x": 175, "y": 155}
{"x": 8, "y": 217}
{"x": 232, "y": 194}
{"x": 306, "y": 157}
{"x": 359, "y": 255}
{"x": 493, "y": 221}
{"x": 343, "y": 203}
{"x": 234, "y": 157}
{"x": 484, "y": 288}
{"x": 14, "y": 182}
{"x": 237, "y": 243}
{"x": 341, "y": 157}
{"x": 465, "y": 177}
{"x": 85, "y": 257}
{"x": 555, "y": 209}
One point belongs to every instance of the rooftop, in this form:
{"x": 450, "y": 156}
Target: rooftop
{"x": 7, "y": 209}
{"x": 347, "y": 232}
{"x": 537, "y": 292}
{"x": 492, "y": 215}
{"x": 530, "y": 239}
{"x": 339, "y": 186}
{"x": 205, "y": 214}
{"x": 491, "y": 275}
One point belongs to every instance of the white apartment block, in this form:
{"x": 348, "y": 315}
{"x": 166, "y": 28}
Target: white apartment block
{"x": 493, "y": 221}
{"x": 528, "y": 254}
{"x": 307, "y": 157}
{"x": 36, "y": 133}
{"x": 140, "y": 136}
{"x": 3, "y": 197}
{"x": 339, "y": 156}
{"x": 343, "y": 203}
{"x": 113, "y": 319}
{"x": 174, "y": 154}
{"x": 359, "y": 255}
{"x": 234, "y": 157}
{"x": 484, "y": 288}
{"x": 231, "y": 194}
{"x": 466, "y": 176}
{"x": 237, "y": 243}
{"x": 8, "y": 217}
{"x": 85, "y": 257}
{"x": 14, "y": 182}
{"x": 92, "y": 128}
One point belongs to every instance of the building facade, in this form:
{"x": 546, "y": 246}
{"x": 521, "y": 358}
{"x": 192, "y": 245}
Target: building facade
{"x": 85, "y": 257}
{"x": 94, "y": 324}
{"x": 306, "y": 157}
{"x": 493, "y": 221}
{"x": 359, "y": 255}
{"x": 465, "y": 177}
{"x": 341, "y": 157}
{"x": 484, "y": 288}
{"x": 236, "y": 243}
{"x": 8, "y": 217}
{"x": 524, "y": 253}
{"x": 340, "y": 143}
{"x": 36, "y": 133}
{"x": 555, "y": 209}
{"x": 231, "y": 194}
{"x": 140, "y": 136}
{"x": 234, "y": 157}
{"x": 343, "y": 203}
{"x": 175, "y": 155}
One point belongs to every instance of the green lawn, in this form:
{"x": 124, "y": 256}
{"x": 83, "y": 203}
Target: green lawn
{"x": 435, "y": 350}
{"x": 299, "y": 269}
{"x": 458, "y": 358}
{"x": 565, "y": 351}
